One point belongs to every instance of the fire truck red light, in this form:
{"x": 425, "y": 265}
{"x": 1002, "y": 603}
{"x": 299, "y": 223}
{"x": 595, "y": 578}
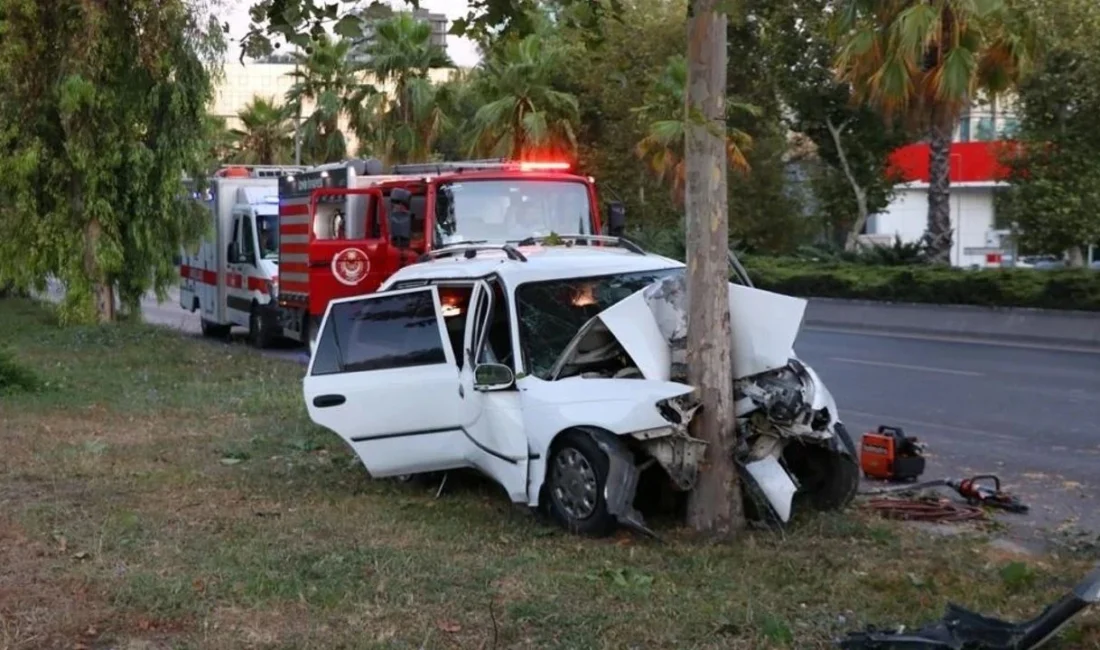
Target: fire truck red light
{"x": 529, "y": 166}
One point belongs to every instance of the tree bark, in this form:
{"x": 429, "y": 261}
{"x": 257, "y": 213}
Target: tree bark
{"x": 714, "y": 506}
{"x": 103, "y": 295}
{"x": 939, "y": 233}
{"x": 1075, "y": 257}
{"x": 861, "y": 195}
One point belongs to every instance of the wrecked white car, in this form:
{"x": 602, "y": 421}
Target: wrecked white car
{"x": 558, "y": 372}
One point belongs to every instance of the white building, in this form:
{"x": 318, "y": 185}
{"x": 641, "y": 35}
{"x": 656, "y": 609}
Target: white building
{"x": 975, "y": 178}
{"x": 243, "y": 81}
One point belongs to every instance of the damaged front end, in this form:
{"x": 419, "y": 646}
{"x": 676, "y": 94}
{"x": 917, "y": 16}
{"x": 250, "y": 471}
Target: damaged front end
{"x": 791, "y": 441}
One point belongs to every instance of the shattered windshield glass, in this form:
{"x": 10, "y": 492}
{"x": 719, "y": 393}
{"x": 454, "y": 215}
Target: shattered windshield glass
{"x": 550, "y": 313}
{"x": 510, "y": 210}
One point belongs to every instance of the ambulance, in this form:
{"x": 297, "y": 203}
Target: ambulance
{"x": 232, "y": 276}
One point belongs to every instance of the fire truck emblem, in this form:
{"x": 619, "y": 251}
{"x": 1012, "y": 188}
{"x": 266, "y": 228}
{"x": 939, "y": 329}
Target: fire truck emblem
{"x": 350, "y": 266}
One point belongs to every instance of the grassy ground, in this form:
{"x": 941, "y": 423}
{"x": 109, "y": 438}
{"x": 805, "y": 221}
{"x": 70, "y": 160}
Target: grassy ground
{"x": 162, "y": 492}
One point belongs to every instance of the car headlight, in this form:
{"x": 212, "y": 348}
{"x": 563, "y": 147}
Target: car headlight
{"x": 678, "y": 410}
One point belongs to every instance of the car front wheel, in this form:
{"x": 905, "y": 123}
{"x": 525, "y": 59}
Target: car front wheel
{"x": 576, "y": 476}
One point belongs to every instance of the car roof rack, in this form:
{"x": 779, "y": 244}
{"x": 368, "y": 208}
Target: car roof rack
{"x": 621, "y": 242}
{"x": 470, "y": 251}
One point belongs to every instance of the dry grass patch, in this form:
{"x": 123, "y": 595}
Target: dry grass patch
{"x": 164, "y": 492}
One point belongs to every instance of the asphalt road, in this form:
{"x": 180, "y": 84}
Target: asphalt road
{"x": 1028, "y": 414}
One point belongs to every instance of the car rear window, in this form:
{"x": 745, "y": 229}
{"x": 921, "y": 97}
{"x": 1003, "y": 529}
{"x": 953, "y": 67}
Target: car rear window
{"x": 380, "y": 333}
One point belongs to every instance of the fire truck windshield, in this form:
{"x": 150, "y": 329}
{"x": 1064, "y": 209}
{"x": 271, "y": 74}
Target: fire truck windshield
{"x": 510, "y": 209}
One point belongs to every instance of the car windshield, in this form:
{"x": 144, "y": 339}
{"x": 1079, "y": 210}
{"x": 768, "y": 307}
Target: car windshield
{"x": 552, "y": 312}
{"x": 510, "y": 210}
{"x": 267, "y": 226}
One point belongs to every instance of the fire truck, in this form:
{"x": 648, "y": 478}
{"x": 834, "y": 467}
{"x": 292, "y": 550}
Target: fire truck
{"x": 232, "y": 276}
{"x": 338, "y": 238}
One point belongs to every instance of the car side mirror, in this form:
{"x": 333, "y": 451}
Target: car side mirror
{"x": 400, "y": 228}
{"x": 616, "y": 218}
{"x": 232, "y": 254}
{"x": 493, "y": 376}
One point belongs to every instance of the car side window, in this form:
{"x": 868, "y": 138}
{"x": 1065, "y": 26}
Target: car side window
{"x": 383, "y": 332}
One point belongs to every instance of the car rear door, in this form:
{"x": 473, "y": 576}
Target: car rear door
{"x": 384, "y": 378}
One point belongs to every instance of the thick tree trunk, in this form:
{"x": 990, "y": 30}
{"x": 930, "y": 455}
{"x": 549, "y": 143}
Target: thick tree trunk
{"x": 1075, "y": 257}
{"x": 939, "y": 234}
{"x": 714, "y": 506}
{"x": 103, "y": 294}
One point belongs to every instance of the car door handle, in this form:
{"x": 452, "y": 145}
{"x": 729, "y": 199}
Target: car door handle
{"x": 325, "y": 401}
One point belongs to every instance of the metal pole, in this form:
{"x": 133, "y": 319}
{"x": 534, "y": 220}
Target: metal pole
{"x": 297, "y": 122}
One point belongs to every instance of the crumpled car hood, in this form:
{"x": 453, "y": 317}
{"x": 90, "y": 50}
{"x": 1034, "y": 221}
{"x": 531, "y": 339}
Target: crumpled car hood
{"x": 651, "y": 325}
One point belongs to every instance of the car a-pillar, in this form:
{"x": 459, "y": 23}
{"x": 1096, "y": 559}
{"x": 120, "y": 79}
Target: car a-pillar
{"x": 590, "y": 482}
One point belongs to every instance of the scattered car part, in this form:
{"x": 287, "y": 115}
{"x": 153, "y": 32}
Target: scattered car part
{"x": 962, "y": 629}
{"x": 889, "y": 454}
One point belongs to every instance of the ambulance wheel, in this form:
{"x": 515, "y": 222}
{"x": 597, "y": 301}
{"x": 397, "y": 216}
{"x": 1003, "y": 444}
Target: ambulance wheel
{"x": 214, "y": 330}
{"x": 259, "y": 329}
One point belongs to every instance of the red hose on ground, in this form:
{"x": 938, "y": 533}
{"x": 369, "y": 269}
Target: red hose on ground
{"x": 935, "y": 510}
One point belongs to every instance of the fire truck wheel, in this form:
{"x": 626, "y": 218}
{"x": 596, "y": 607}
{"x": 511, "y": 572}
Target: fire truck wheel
{"x": 214, "y": 331}
{"x": 259, "y": 328}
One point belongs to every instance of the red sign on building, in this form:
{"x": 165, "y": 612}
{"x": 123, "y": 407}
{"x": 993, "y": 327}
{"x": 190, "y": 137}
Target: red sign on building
{"x": 971, "y": 162}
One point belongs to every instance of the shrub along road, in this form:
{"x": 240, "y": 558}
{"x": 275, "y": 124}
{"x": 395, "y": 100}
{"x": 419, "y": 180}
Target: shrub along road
{"x": 1026, "y": 413}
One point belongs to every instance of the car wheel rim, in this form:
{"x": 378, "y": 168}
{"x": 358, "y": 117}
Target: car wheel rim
{"x": 574, "y": 484}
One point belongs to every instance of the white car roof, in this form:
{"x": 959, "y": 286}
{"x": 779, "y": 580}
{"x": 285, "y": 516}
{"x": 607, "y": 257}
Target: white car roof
{"x": 543, "y": 263}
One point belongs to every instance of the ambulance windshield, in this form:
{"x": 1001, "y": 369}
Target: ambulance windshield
{"x": 510, "y": 210}
{"x": 267, "y": 229}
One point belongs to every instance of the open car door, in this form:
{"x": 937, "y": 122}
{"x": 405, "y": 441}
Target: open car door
{"x": 383, "y": 377}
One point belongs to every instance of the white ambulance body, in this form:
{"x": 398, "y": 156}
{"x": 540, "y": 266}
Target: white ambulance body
{"x": 232, "y": 276}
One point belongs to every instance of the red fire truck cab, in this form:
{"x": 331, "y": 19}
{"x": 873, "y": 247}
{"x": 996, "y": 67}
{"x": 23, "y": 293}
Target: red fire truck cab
{"x": 337, "y": 238}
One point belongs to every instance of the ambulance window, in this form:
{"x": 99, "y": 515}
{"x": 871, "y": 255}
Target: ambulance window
{"x": 380, "y": 333}
{"x": 236, "y": 244}
{"x": 248, "y": 244}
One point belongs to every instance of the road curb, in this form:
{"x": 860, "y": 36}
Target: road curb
{"x": 1079, "y": 328}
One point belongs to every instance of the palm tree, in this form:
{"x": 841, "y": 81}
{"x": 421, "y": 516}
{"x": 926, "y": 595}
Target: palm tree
{"x": 663, "y": 146}
{"x": 925, "y": 61}
{"x": 324, "y": 77}
{"x": 401, "y": 126}
{"x": 266, "y": 136}
{"x": 527, "y": 117}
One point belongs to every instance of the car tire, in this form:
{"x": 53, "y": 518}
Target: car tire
{"x": 259, "y": 330}
{"x": 575, "y": 478}
{"x": 835, "y": 475}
